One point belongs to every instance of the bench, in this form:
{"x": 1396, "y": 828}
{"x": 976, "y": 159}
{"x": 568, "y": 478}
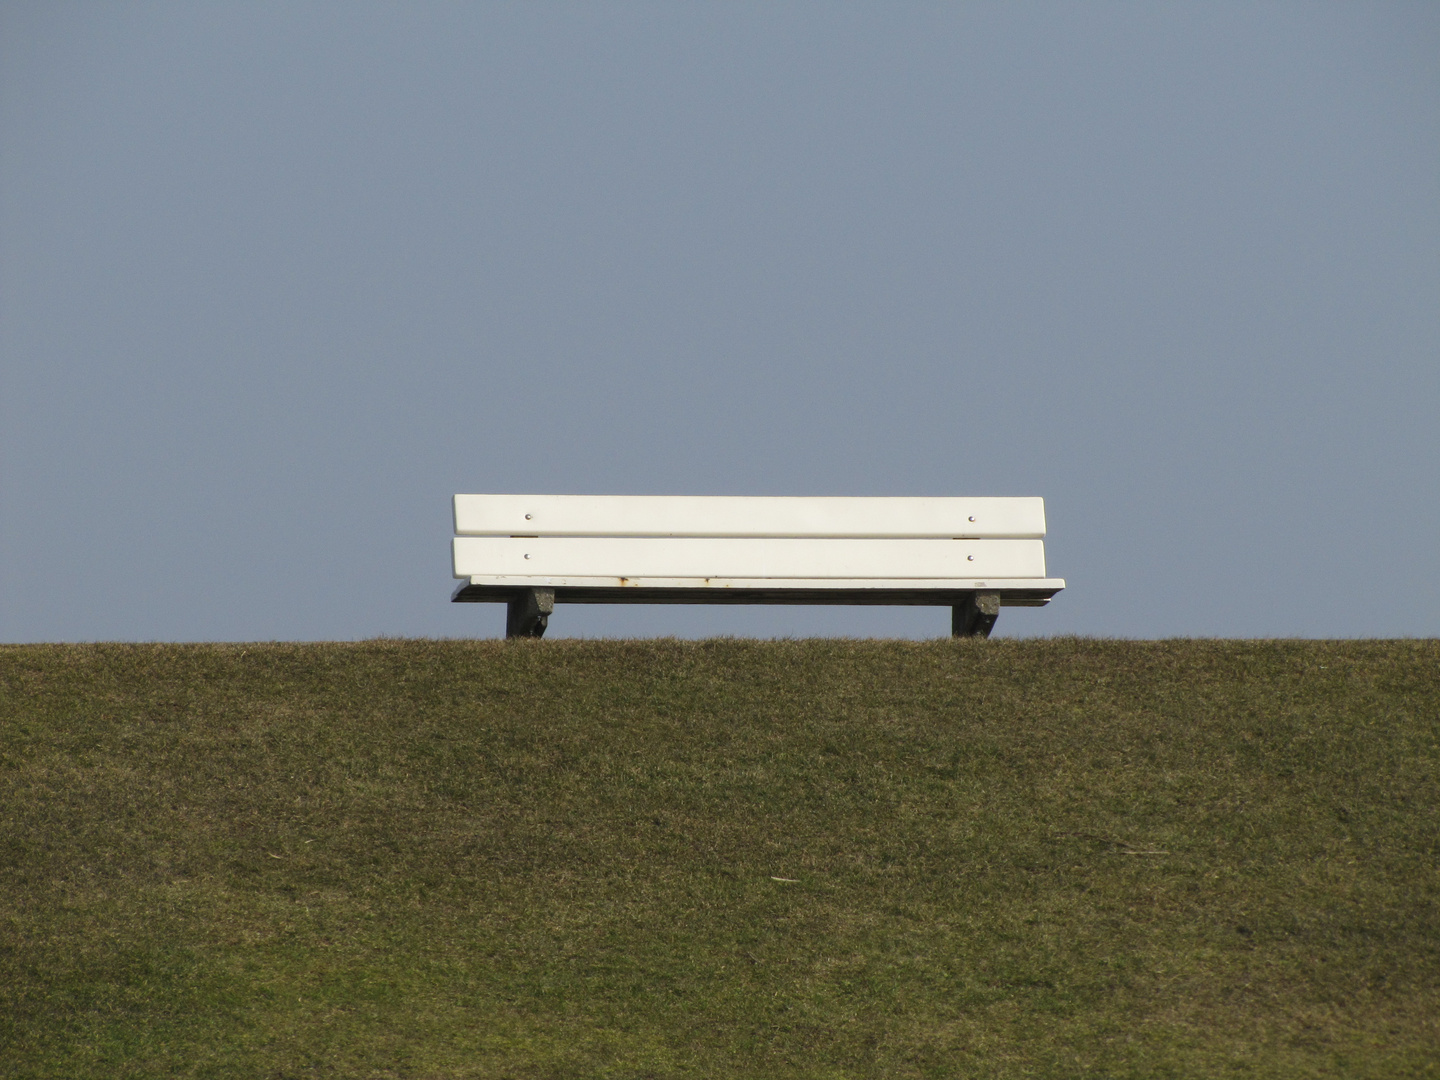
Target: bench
{"x": 532, "y": 552}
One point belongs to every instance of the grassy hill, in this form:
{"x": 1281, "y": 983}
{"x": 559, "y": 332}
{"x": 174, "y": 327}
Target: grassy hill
{"x": 721, "y": 859}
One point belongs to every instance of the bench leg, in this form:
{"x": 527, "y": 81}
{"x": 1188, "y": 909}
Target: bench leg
{"x": 528, "y": 615}
{"x": 976, "y": 617}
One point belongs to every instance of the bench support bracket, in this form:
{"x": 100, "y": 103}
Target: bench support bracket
{"x": 528, "y": 614}
{"x": 976, "y": 616}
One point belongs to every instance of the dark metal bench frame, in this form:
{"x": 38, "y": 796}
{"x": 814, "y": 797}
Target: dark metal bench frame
{"x": 528, "y": 609}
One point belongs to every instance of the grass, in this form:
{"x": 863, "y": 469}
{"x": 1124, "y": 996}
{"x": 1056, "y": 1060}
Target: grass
{"x": 731, "y": 858}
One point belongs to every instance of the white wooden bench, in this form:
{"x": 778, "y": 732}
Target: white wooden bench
{"x": 534, "y": 551}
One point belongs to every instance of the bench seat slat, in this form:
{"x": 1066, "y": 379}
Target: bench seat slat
{"x": 529, "y": 581}
{"x": 748, "y": 516}
{"x": 757, "y": 592}
{"x": 708, "y": 557}
{"x": 1014, "y": 592}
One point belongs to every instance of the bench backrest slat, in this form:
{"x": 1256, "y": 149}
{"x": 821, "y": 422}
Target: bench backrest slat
{"x": 886, "y": 517}
{"x": 746, "y": 557}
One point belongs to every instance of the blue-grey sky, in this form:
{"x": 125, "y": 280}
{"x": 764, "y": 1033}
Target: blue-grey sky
{"x": 276, "y": 280}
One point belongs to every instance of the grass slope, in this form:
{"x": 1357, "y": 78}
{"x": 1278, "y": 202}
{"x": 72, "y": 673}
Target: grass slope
{"x": 726, "y": 858}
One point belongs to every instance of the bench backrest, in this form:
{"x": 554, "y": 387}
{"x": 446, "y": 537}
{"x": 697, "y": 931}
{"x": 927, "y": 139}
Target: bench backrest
{"x": 743, "y": 537}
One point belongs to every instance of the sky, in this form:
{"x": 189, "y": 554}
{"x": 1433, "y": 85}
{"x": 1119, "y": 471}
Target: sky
{"x": 277, "y": 280}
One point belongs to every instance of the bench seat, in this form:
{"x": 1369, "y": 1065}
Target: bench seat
{"x": 531, "y": 552}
